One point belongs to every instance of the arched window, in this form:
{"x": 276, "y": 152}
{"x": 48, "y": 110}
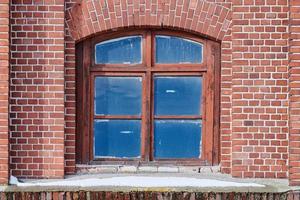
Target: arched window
{"x": 148, "y": 96}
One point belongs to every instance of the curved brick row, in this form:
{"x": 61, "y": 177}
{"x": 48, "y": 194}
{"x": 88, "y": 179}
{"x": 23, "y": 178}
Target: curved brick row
{"x": 93, "y": 16}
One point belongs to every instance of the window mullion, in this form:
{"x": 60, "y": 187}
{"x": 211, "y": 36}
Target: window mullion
{"x": 146, "y": 139}
{"x": 148, "y": 50}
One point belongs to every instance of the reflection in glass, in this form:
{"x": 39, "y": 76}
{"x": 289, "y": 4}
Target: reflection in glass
{"x": 124, "y": 50}
{"x": 117, "y": 138}
{"x": 118, "y": 95}
{"x": 170, "y": 49}
{"x": 177, "y": 139}
{"x": 177, "y": 95}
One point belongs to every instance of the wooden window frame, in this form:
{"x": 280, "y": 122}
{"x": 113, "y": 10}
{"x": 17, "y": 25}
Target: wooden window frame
{"x": 87, "y": 70}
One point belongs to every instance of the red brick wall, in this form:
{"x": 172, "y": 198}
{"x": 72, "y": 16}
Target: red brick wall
{"x": 294, "y": 67}
{"x": 203, "y": 17}
{"x": 70, "y": 96}
{"x": 254, "y": 82}
{"x": 226, "y": 99}
{"x": 254, "y": 127}
{"x": 37, "y": 88}
{"x": 4, "y": 89}
{"x": 260, "y": 89}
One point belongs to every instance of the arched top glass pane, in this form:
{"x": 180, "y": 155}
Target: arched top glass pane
{"x": 171, "y": 49}
{"x": 123, "y": 50}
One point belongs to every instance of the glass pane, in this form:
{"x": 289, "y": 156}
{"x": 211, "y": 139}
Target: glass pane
{"x": 171, "y": 49}
{"x": 124, "y": 50}
{"x": 177, "y": 95}
{"x": 177, "y": 138}
{"x": 118, "y": 95}
{"x": 117, "y": 138}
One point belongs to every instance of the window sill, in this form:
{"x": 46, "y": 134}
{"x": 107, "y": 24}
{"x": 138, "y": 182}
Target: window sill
{"x": 89, "y": 169}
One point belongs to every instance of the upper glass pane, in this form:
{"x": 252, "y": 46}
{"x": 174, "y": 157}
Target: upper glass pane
{"x": 123, "y": 50}
{"x": 170, "y": 49}
{"x": 118, "y": 95}
{"x": 177, "y": 95}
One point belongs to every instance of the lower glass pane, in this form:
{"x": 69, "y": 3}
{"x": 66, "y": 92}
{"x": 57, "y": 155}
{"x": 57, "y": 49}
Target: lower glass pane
{"x": 117, "y": 138}
{"x": 177, "y": 139}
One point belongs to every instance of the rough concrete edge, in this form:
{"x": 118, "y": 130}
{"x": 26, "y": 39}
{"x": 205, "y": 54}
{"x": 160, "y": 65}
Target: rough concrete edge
{"x": 267, "y": 189}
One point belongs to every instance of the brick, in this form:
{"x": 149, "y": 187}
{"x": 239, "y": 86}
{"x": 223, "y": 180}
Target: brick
{"x": 259, "y": 81}
{"x": 4, "y": 83}
{"x": 294, "y": 168}
{"x": 37, "y": 82}
{"x": 252, "y": 48}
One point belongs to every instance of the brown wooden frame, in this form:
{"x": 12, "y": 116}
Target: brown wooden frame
{"x": 87, "y": 70}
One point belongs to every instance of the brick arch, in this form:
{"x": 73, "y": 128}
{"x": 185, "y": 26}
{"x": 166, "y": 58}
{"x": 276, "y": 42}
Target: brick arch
{"x": 89, "y": 17}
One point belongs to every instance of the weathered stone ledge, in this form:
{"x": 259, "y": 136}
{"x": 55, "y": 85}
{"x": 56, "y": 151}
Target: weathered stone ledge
{"x": 146, "y": 195}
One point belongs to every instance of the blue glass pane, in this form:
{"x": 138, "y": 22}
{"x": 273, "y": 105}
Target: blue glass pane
{"x": 177, "y": 138}
{"x": 177, "y": 95}
{"x": 118, "y": 95}
{"x": 124, "y": 50}
{"x": 171, "y": 49}
{"x": 117, "y": 138}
